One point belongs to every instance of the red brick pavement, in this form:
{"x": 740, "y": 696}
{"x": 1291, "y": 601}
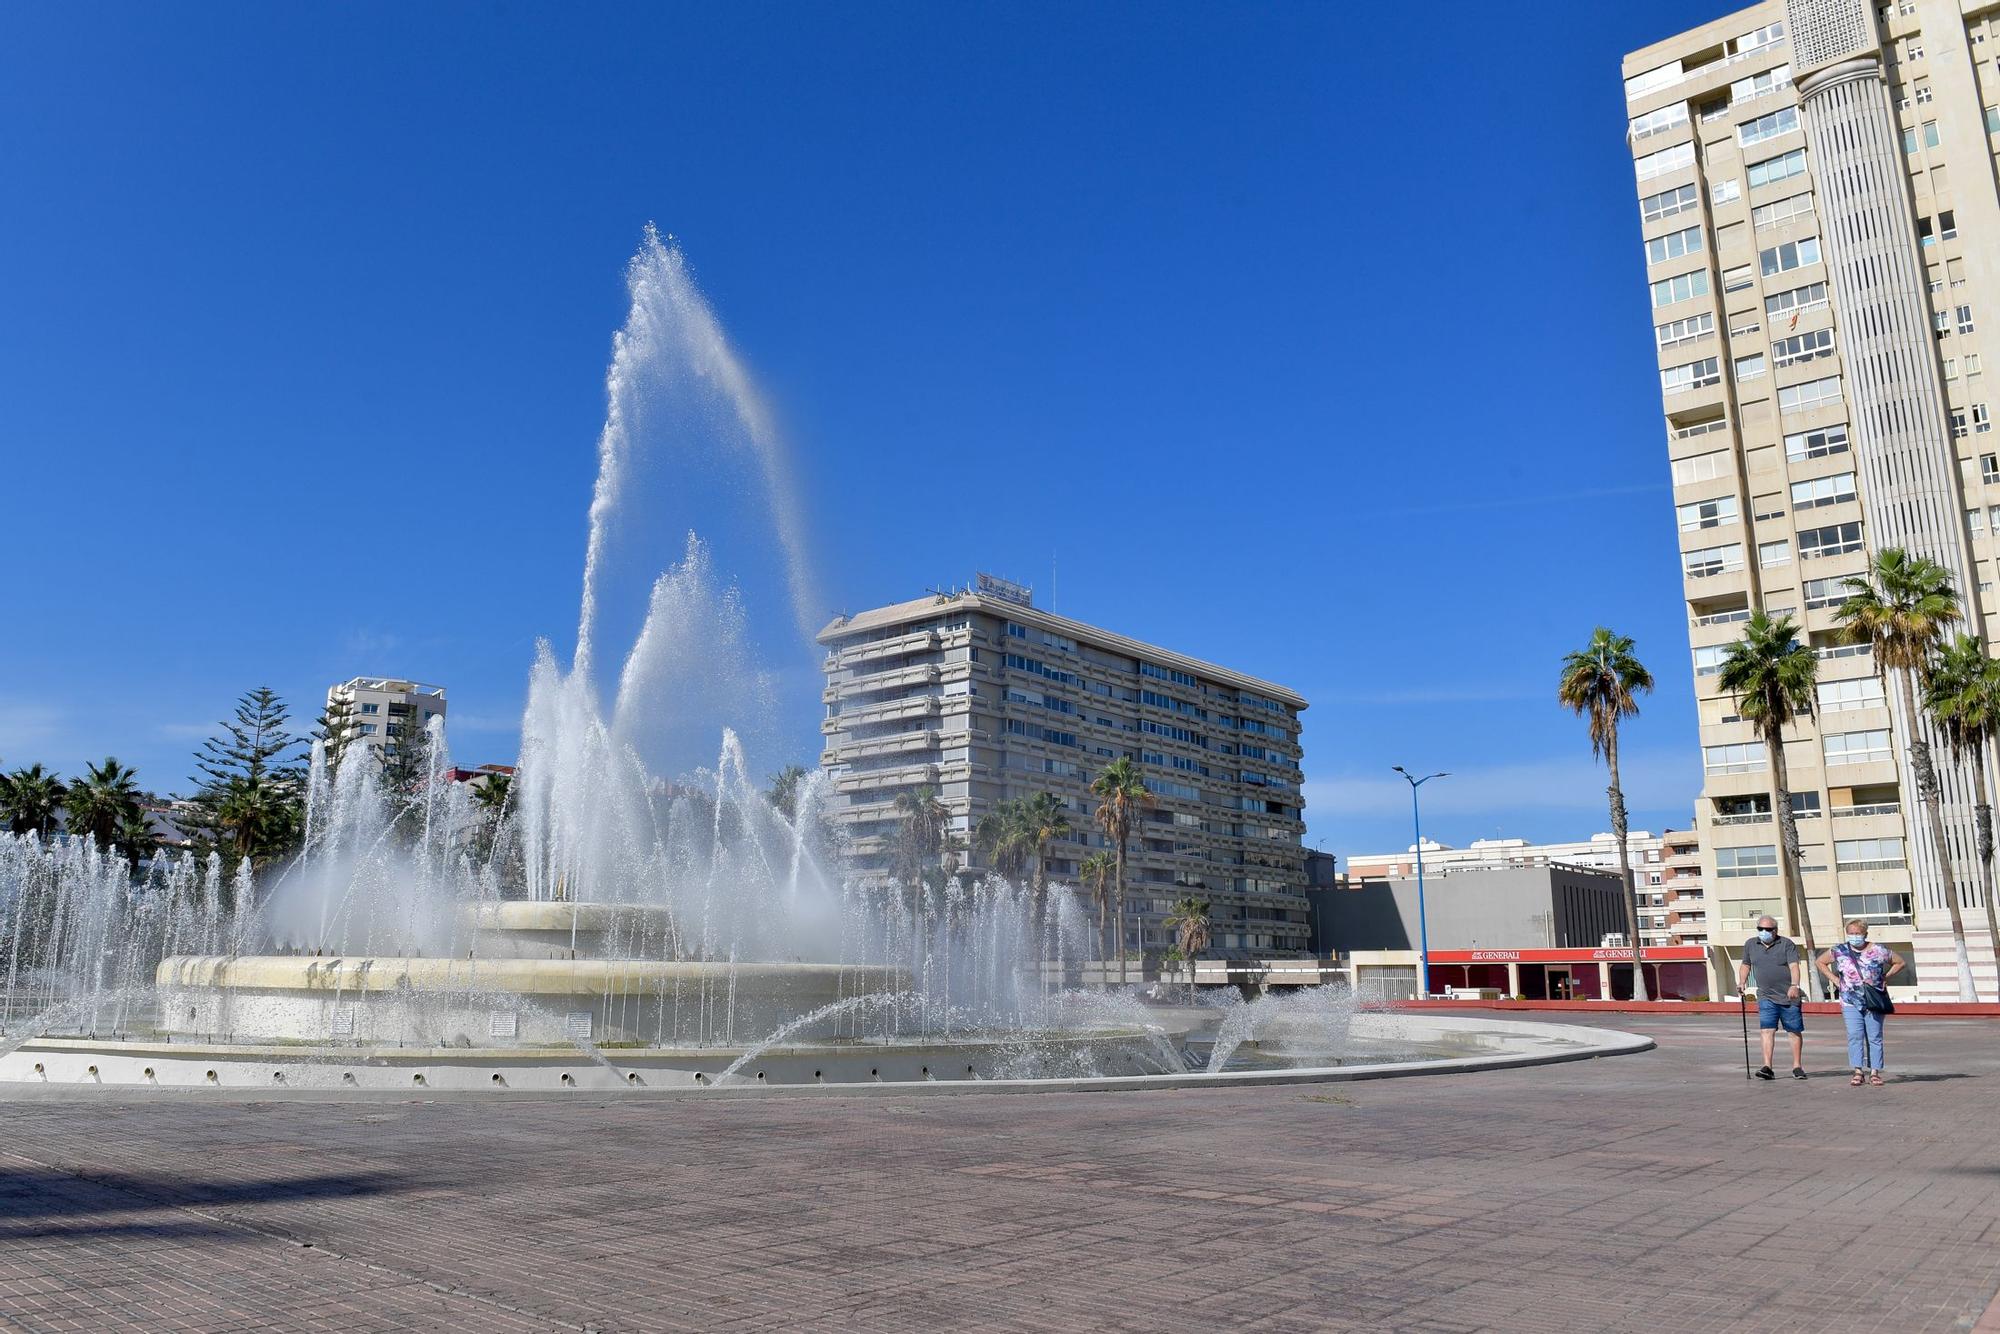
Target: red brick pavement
{"x": 1651, "y": 1192}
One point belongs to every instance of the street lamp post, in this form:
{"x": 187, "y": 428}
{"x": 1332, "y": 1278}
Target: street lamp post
{"x": 1423, "y": 923}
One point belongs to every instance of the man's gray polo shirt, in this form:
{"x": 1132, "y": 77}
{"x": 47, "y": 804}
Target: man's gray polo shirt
{"x": 1771, "y": 968}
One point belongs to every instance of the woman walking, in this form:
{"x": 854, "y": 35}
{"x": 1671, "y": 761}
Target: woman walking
{"x": 1860, "y": 972}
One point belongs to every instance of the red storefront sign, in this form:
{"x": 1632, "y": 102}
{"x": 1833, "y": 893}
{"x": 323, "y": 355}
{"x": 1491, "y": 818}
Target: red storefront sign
{"x": 1654, "y": 954}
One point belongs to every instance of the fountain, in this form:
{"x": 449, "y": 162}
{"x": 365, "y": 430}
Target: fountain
{"x": 612, "y": 928}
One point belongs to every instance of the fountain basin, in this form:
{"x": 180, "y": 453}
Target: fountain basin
{"x": 480, "y": 1002}
{"x": 1424, "y": 1045}
{"x": 540, "y": 929}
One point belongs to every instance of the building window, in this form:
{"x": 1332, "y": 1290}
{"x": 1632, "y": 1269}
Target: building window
{"x": 1737, "y": 863}
{"x": 1691, "y": 375}
{"x": 371, "y": 708}
{"x": 1770, "y": 555}
{"x": 1809, "y": 394}
{"x": 1750, "y": 367}
{"x": 1659, "y": 122}
{"x": 1782, "y": 121}
{"x": 1823, "y": 491}
{"x": 1673, "y": 245}
{"x": 1827, "y": 592}
{"x": 1922, "y": 90}
{"x": 1739, "y": 757}
{"x": 1964, "y": 314}
{"x": 1687, "y": 330}
{"x": 1738, "y": 278}
{"x": 1708, "y": 661}
{"x": 1982, "y": 422}
{"x": 1808, "y": 346}
{"x": 1788, "y": 256}
{"x": 1701, "y": 468}
{"x": 1868, "y": 854}
{"x": 1833, "y": 540}
{"x": 1947, "y": 225}
{"x": 1723, "y": 192}
{"x": 1664, "y": 161}
{"x": 1704, "y": 562}
{"x": 1780, "y": 168}
{"x": 1816, "y": 444}
{"x": 1680, "y": 287}
{"x": 1707, "y": 513}
{"x": 1840, "y": 696}
{"x": 1668, "y": 203}
{"x": 1759, "y": 85}
{"x": 1795, "y": 299}
{"x": 1856, "y": 747}
{"x": 1781, "y": 211}
{"x": 1771, "y": 506}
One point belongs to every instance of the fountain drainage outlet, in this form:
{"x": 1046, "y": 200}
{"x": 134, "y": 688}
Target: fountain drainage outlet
{"x": 499, "y": 1079}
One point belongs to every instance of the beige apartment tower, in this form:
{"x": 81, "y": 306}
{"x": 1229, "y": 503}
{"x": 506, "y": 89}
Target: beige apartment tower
{"x": 382, "y": 710}
{"x": 984, "y": 697}
{"x": 1817, "y": 193}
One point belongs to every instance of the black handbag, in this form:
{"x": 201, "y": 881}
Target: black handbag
{"x": 1875, "y": 1000}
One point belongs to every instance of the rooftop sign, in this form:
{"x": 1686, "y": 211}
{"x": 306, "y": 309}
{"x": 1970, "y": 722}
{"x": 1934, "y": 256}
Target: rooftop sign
{"x": 1006, "y": 590}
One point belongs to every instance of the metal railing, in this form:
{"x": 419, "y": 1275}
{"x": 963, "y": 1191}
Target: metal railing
{"x": 1874, "y": 808}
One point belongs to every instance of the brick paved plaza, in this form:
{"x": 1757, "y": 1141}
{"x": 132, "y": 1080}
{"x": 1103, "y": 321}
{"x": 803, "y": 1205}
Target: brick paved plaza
{"x": 1657, "y": 1191}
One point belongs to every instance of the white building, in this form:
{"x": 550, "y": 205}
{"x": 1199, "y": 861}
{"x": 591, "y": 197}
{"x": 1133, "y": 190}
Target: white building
{"x": 382, "y": 710}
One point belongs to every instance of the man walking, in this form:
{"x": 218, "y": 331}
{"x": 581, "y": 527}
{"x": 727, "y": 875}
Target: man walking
{"x": 1775, "y": 962}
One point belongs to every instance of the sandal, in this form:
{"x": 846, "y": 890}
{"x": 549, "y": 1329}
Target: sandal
{"x": 1876, "y": 1079}
{"x": 1857, "y": 1080}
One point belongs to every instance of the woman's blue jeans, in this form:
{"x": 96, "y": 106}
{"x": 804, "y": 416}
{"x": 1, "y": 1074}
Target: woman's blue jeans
{"x": 1864, "y": 1037}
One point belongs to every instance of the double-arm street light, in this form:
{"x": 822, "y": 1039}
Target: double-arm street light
{"x": 1423, "y": 925}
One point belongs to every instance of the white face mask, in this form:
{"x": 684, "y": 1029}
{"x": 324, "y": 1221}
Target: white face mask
{"x": 1766, "y": 934}
{"x": 1857, "y": 942}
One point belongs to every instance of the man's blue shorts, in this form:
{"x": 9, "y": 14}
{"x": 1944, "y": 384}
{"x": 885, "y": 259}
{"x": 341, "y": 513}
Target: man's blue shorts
{"x": 1770, "y": 1014}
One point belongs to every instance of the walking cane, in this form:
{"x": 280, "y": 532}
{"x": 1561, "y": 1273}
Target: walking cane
{"x": 1743, "y": 1008}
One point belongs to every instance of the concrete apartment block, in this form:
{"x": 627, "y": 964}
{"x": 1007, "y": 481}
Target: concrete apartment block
{"x": 383, "y": 709}
{"x": 985, "y": 697}
{"x": 1819, "y": 212}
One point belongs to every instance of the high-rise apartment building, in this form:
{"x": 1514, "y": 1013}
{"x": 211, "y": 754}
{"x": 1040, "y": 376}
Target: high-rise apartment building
{"x": 1822, "y": 240}
{"x": 984, "y": 697}
{"x": 382, "y": 710}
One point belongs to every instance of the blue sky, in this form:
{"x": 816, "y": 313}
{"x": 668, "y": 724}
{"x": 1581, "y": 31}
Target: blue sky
{"x": 304, "y": 315}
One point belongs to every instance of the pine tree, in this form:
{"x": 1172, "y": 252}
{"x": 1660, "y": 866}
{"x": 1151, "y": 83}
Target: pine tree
{"x": 336, "y": 730}
{"x": 252, "y": 781}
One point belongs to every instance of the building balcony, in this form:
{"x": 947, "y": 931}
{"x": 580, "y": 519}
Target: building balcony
{"x": 1863, "y": 812}
{"x": 921, "y": 641}
{"x": 895, "y": 710}
{"x": 875, "y": 747}
{"x": 923, "y": 674}
{"x": 904, "y": 775}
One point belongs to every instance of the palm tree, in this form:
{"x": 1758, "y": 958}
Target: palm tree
{"x": 1095, "y": 872}
{"x": 1601, "y": 683}
{"x": 1121, "y": 794}
{"x": 30, "y": 798}
{"x": 1963, "y": 695}
{"x": 1901, "y": 608}
{"x": 1004, "y": 837}
{"x": 257, "y": 816}
{"x": 1772, "y": 676}
{"x": 1045, "y": 819}
{"x": 135, "y": 838}
{"x": 783, "y": 794}
{"x": 490, "y": 794}
{"x": 98, "y": 803}
{"x": 921, "y": 840}
{"x": 1189, "y": 923}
